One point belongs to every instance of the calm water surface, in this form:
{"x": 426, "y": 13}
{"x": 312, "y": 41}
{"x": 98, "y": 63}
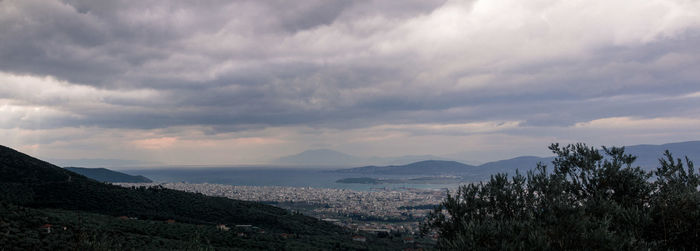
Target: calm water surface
{"x": 295, "y": 177}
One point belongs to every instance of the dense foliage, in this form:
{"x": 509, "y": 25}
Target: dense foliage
{"x": 76, "y": 230}
{"x": 592, "y": 199}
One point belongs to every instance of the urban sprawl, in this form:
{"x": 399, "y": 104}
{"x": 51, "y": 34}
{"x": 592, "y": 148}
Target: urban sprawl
{"x": 378, "y": 210}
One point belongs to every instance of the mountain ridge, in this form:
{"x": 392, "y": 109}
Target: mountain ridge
{"x": 647, "y": 158}
{"x": 107, "y": 175}
{"x": 319, "y": 157}
{"x": 415, "y": 168}
{"x": 328, "y": 157}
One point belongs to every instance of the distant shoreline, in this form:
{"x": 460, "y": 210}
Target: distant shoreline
{"x": 420, "y": 180}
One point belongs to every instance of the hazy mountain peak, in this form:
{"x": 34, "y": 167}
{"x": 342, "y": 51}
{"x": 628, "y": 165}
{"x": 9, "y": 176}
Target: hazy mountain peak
{"x": 321, "y": 151}
{"x": 319, "y": 157}
{"x": 330, "y": 157}
{"x": 425, "y": 167}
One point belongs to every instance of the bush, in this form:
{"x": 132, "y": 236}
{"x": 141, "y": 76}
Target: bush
{"x": 590, "y": 200}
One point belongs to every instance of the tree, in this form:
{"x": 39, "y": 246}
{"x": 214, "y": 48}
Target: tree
{"x": 591, "y": 199}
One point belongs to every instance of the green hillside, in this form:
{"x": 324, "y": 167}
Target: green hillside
{"x": 75, "y": 230}
{"x": 42, "y": 190}
{"x": 106, "y": 175}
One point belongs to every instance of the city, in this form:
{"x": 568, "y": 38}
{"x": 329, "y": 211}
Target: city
{"x": 379, "y": 210}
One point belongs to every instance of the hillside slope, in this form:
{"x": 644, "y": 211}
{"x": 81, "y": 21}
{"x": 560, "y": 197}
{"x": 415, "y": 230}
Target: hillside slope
{"x": 49, "y": 186}
{"x": 29, "y": 182}
{"x": 106, "y": 175}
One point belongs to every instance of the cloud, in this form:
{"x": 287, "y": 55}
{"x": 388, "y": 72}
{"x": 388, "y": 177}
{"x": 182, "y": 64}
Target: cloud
{"x": 156, "y": 143}
{"x": 417, "y": 68}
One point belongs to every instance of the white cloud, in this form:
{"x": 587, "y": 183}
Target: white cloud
{"x": 637, "y": 124}
{"x": 364, "y": 77}
{"x": 47, "y": 91}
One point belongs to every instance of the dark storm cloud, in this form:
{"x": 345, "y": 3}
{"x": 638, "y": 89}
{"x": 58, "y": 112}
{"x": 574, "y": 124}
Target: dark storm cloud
{"x": 342, "y": 64}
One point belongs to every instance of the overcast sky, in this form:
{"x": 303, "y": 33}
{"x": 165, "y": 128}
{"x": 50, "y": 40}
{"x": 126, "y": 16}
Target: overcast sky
{"x": 240, "y": 82}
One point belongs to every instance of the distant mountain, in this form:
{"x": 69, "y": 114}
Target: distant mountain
{"x": 327, "y": 157}
{"x": 522, "y": 163}
{"x": 402, "y": 160}
{"x": 106, "y": 175}
{"x": 320, "y": 157}
{"x": 427, "y": 167}
{"x": 647, "y": 157}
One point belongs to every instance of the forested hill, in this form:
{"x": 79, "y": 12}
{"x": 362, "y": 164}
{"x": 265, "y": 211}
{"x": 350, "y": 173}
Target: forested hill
{"x": 28, "y": 182}
{"x": 106, "y": 175}
{"x": 17, "y": 167}
{"x": 44, "y": 185}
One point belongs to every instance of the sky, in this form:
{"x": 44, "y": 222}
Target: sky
{"x": 245, "y": 82}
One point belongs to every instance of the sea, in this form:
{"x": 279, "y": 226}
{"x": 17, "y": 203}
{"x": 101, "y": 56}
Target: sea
{"x": 276, "y": 176}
